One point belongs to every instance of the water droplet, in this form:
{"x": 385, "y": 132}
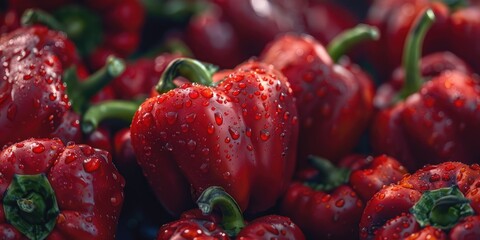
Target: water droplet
{"x": 227, "y": 175}
{"x": 27, "y": 77}
{"x": 260, "y": 233}
{"x": 207, "y": 93}
{"x": 435, "y": 177}
{"x": 70, "y": 157}
{"x": 191, "y": 145}
{"x": 205, "y": 151}
{"x": 271, "y": 228}
{"x": 87, "y": 150}
{"x": 147, "y": 119}
{"x": 169, "y": 147}
{"x": 190, "y": 117}
{"x": 234, "y": 133}
{"x": 193, "y": 94}
{"x": 218, "y": 118}
{"x": 38, "y": 148}
{"x": 227, "y": 140}
{"x": 210, "y": 128}
{"x": 91, "y": 164}
{"x": 171, "y": 117}
{"x": 52, "y": 96}
{"x": 264, "y": 135}
{"x": 340, "y": 203}
{"x": 248, "y": 132}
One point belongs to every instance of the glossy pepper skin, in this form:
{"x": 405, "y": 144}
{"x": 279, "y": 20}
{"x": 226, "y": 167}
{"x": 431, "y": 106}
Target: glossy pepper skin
{"x": 76, "y": 193}
{"x": 428, "y": 122}
{"x": 328, "y": 204}
{"x": 457, "y": 22}
{"x": 334, "y": 101}
{"x": 205, "y": 224}
{"x": 228, "y": 134}
{"x": 32, "y": 97}
{"x": 417, "y": 206}
{"x": 36, "y": 62}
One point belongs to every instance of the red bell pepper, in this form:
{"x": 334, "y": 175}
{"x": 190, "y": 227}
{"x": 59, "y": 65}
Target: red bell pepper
{"x": 428, "y": 122}
{"x": 33, "y": 100}
{"x": 258, "y": 23}
{"x": 334, "y": 100}
{"x": 440, "y": 201}
{"x": 457, "y": 22}
{"x": 49, "y": 190}
{"x": 203, "y": 224}
{"x": 213, "y": 39}
{"x": 325, "y": 20}
{"x": 228, "y": 134}
{"x": 94, "y": 26}
{"x": 329, "y": 203}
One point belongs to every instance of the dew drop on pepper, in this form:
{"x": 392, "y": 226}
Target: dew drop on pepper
{"x": 218, "y": 118}
{"x": 234, "y": 133}
{"x": 38, "y": 148}
{"x": 193, "y": 94}
{"x": 264, "y": 135}
{"x": 91, "y": 164}
{"x": 340, "y": 203}
{"x": 210, "y": 128}
{"x": 171, "y": 117}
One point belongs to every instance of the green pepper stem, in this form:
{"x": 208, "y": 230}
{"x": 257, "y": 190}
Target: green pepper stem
{"x": 412, "y": 53}
{"x": 116, "y": 109}
{"x": 32, "y": 16}
{"x": 216, "y": 197}
{"x": 188, "y": 68}
{"x": 442, "y": 208}
{"x": 80, "y": 92}
{"x": 455, "y": 4}
{"x": 329, "y": 176}
{"x": 30, "y": 205}
{"x": 350, "y": 38}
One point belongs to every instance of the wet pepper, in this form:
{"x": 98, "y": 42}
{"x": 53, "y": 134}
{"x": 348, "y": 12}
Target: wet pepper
{"x": 334, "y": 101}
{"x": 227, "y": 134}
{"x": 433, "y": 121}
{"x": 52, "y": 191}
{"x": 438, "y": 201}
{"x": 33, "y": 98}
{"x": 203, "y": 223}
{"x": 457, "y": 29}
{"x": 328, "y": 203}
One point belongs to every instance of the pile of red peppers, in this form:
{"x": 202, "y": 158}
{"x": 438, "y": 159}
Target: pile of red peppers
{"x": 227, "y": 119}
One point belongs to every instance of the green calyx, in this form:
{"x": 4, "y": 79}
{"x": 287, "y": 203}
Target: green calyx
{"x": 329, "y": 177}
{"x": 455, "y": 4}
{"x": 412, "y": 53}
{"x": 442, "y": 208}
{"x": 80, "y": 92}
{"x": 350, "y": 38}
{"x": 30, "y": 205}
{"x": 115, "y": 109}
{"x": 191, "y": 69}
{"x": 80, "y": 24}
{"x": 216, "y": 197}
